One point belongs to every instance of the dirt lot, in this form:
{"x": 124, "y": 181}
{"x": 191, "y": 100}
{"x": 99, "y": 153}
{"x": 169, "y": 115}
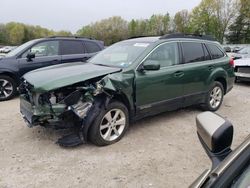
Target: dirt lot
{"x": 161, "y": 151}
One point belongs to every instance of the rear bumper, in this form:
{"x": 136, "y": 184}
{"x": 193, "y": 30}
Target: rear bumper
{"x": 242, "y": 72}
{"x": 240, "y": 75}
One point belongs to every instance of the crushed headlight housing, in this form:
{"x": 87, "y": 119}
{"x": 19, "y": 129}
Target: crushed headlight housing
{"x": 81, "y": 108}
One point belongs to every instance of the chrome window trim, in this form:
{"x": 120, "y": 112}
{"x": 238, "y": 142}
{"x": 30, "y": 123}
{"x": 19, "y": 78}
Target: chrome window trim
{"x": 41, "y": 57}
{"x": 201, "y": 42}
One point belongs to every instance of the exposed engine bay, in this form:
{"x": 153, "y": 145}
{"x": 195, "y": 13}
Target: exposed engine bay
{"x": 66, "y": 107}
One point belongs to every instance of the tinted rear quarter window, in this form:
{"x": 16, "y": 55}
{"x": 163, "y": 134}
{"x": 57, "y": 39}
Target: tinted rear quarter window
{"x": 72, "y": 47}
{"x": 91, "y": 47}
{"x": 207, "y": 55}
{"x": 192, "y": 52}
{"x": 215, "y": 52}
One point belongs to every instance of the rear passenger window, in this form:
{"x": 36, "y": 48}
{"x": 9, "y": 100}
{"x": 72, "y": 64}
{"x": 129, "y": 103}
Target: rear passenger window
{"x": 216, "y": 53}
{"x": 91, "y": 47}
{"x": 207, "y": 56}
{"x": 192, "y": 52}
{"x": 72, "y": 47}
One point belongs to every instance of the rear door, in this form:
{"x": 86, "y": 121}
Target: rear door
{"x": 197, "y": 67}
{"x": 46, "y": 54}
{"x": 73, "y": 51}
{"x": 92, "y": 48}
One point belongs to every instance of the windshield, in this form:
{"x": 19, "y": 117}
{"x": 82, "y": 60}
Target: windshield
{"x": 19, "y": 48}
{"x": 121, "y": 54}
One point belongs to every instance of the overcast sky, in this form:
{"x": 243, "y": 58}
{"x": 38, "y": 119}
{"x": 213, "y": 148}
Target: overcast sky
{"x": 71, "y": 15}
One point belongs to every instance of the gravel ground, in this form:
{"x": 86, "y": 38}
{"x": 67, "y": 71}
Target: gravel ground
{"x": 160, "y": 151}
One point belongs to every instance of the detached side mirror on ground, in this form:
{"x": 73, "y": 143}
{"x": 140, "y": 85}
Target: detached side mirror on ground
{"x": 216, "y": 135}
{"x": 150, "y": 65}
{"x": 30, "y": 56}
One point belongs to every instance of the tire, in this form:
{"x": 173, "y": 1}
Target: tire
{"x": 237, "y": 80}
{"x": 105, "y": 132}
{"x": 214, "y": 97}
{"x": 8, "y": 88}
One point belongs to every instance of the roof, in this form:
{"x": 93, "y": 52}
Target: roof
{"x": 152, "y": 39}
{"x": 188, "y": 36}
{"x": 70, "y": 37}
{"x": 145, "y": 39}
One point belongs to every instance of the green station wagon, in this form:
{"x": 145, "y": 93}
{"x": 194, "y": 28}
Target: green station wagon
{"x": 127, "y": 81}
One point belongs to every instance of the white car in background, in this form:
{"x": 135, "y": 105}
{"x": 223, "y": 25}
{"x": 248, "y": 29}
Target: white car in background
{"x": 7, "y": 49}
{"x": 242, "y": 64}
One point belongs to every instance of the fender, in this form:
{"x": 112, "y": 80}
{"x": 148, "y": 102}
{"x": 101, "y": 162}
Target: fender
{"x": 9, "y": 72}
{"x": 99, "y": 103}
{"x": 217, "y": 73}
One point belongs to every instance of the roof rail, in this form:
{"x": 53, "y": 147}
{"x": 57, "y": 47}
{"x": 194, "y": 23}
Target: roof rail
{"x": 188, "y": 35}
{"x": 141, "y": 36}
{"x": 76, "y": 37}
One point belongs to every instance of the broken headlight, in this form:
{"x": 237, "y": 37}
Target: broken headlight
{"x": 81, "y": 108}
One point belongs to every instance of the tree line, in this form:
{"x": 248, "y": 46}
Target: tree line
{"x": 18, "y": 33}
{"x": 225, "y": 20}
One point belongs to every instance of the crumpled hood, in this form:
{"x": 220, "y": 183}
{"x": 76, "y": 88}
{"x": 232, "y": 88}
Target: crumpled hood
{"x": 53, "y": 77}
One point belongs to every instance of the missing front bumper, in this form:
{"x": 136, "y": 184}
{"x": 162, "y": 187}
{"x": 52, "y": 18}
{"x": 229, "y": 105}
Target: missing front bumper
{"x": 27, "y": 113}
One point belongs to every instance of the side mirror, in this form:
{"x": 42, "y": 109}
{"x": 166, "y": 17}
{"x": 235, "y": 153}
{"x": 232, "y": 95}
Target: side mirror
{"x": 30, "y": 56}
{"x": 151, "y": 65}
{"x": 216, "y": 136}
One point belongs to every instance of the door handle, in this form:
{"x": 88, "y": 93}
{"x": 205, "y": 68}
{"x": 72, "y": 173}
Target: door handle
{"x": 55, "y": 61}
{"x": 211, "y": 67}
{"x": 178, "y": 74}
{"x": 85, "y": 58}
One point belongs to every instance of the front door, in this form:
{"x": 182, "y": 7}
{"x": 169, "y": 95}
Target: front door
{"x": 160, "y": 90}
{"x": 46, "y": 54}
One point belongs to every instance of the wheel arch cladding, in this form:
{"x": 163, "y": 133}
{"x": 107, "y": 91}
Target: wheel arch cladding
{"x": 218, "y": 75}
{"x": 98, "y": 104}
{"x": 9, "y": 74}
{"x": 222, "y": 80}
{"x": 123, "y": 99}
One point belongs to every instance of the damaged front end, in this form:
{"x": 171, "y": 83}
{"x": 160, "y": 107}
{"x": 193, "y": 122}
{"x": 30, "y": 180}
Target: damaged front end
{"x": 62, "y": 107}
{"x": 72, "y": 96}
{"x": 66, "y": 107}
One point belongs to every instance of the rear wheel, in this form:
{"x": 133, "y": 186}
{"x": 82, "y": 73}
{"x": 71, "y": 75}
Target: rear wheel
{"x": 110, "y": 126}
{"x": 8, "y": 88}
{"x": 214, "y": 98}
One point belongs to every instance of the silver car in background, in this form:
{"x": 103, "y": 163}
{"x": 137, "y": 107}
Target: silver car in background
{"x": 242, "y": 64}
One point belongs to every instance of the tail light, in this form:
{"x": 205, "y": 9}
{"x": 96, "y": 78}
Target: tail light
{"x": 231, "y": 62}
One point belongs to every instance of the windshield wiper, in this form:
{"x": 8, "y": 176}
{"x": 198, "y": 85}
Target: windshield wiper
{"x": 102, "y": 65}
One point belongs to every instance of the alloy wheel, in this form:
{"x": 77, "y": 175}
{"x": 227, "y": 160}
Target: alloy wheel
{"x": 6, "y": 88}
{"x": 215, "y": 97}
{"x": 112, "y": 124}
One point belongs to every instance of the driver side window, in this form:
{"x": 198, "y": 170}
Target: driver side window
{"x": 166, "y": 55}
{"x": 43, "y": 49}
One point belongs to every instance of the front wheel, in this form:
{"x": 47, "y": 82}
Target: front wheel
{"x": 214, "y": 97}
{"x": 110, "y": 125}
{"x": 8, "y": 88}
